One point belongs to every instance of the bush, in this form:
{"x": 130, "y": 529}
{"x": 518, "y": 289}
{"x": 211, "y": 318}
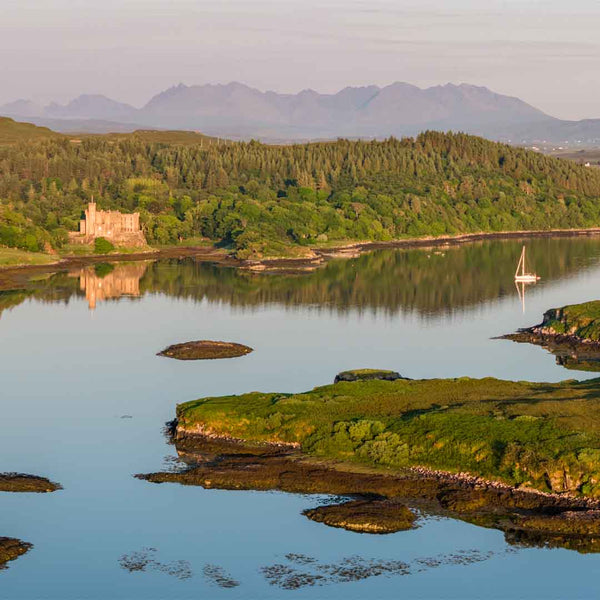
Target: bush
{"x": 102, "y": 246}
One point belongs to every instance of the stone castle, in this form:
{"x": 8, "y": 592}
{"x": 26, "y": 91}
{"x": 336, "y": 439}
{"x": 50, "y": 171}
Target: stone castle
{"x": 118, "y": 228}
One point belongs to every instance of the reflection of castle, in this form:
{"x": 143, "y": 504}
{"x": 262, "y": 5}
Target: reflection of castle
{"x": 119, "y": 228}
{"x": 123, "y": 280}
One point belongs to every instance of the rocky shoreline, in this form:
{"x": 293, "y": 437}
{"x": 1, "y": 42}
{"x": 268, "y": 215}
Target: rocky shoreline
{"x": 571, "y": 338}
{"x": 197, "y": 439}
{"x": 380, "y": 501}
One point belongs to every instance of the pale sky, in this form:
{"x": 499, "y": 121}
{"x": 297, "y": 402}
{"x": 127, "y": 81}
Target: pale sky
{"x": 546, "y": 52}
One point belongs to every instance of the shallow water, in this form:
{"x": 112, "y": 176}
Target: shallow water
{"x": 83, "y": 399}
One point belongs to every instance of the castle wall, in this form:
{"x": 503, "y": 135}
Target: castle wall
{"x": 113, "y": 225}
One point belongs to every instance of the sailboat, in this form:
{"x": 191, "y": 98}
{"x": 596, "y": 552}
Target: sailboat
{"x": 520, "y": 275}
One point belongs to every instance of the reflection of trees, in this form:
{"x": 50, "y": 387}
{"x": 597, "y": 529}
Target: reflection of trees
{"x": 427, "y": 281}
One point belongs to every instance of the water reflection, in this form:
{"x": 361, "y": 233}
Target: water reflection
{"x": 521, "y": 291}
{"x": 107, "y": 281}
{"x": 431, "y": 283}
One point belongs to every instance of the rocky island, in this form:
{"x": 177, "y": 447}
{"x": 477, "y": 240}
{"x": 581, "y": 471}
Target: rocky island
{"x": 10, "y": 549}
{"x": 205, "y": 350}
{"x": 571, "y": 333}
{"x": 20, "y": 482}
{"x": 521, "y": 457}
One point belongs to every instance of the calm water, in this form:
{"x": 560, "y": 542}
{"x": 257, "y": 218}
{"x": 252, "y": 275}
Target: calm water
{"x": 71, "y": 377}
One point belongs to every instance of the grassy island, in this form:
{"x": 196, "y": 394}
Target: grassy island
{"x": 540, "y": 435}
{"x": 520, "y": 457}
{"x": 581, "y": 321}
{"x": 571, "y": 333}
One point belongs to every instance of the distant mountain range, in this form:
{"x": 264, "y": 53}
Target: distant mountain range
{"x": 241, "y": 112}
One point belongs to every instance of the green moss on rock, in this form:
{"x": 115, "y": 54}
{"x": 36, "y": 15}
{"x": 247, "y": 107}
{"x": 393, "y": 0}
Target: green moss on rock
{"x": 366, "y": 375}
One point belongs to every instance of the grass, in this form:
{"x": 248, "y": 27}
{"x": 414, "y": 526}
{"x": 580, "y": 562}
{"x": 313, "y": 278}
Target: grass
{"x": 538, "y": 434}
{"x": 13, "y": 132}
{"x": 11, "y": 257}
{"x": 70, "y": 250}
{"x": 580, "y": 320}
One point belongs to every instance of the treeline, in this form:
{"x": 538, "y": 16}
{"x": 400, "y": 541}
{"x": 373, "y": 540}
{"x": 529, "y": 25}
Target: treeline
{"x": 260, "y": 200}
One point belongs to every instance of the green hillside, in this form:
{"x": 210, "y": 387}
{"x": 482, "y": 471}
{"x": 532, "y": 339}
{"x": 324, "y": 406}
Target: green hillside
{"x": 13, "y": 132}
{"x": 261, "y": 200}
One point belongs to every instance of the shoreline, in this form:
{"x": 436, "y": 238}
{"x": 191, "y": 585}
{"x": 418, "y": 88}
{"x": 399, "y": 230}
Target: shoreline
{"x": 19, "y": 275}
{"x": 371, "y": 500}
{"x": 353, "y": 249}
{"x": 465, "y": 480}
{"x": 15, "y": 275}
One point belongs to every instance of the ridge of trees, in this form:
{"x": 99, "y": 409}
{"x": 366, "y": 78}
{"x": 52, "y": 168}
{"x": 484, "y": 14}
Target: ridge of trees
{"x": 261, "y": 200}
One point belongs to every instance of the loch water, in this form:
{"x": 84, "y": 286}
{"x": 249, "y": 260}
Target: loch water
{"x": 84, "y": 398}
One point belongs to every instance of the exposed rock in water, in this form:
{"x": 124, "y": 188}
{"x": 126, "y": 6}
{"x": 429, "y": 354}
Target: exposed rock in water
{"x": 571, "y": 333}
{"x": 19, "y": 482}
{"x": 205, "y": 350}
{"x": 10, "y": 549}
{"x": 365, "y": 516}
{"x": 367, "y": 374}
{"x": 527, "y": 517}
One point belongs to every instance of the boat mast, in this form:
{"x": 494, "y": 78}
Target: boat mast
{"x": 521, "y": 263}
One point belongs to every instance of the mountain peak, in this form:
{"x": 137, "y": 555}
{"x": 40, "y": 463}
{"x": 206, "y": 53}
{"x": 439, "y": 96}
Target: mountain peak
{"x": 238, "y": 110}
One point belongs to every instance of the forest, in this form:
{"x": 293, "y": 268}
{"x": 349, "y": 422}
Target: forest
{"x": 261, "y": 200}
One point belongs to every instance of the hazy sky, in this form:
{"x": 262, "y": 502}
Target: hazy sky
{"x": 545, "y": 51}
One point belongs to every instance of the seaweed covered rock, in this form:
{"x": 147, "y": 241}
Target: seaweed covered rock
{"x": 367, "y": 375}
{"x": 20, "y": 482}
{"x": 527, "y": 517}
{"x": 365, "y": 516}
{"x": 11, "y": 548}
{"x": 205, "y": 350}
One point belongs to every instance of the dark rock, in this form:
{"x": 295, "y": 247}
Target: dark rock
{"x": 205, "y": 350}
{"x": 365, "y": 516}
{"x": 19, "y": 482}
{"x": 367, "y": 374}
{"x": 10, "y": 549}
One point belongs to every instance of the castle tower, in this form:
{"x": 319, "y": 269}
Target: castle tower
{"x": 90, "y": 218}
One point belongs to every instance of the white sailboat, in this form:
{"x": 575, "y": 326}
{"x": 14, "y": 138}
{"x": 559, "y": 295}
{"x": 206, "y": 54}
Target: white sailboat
{"x": 520, "y": 275}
